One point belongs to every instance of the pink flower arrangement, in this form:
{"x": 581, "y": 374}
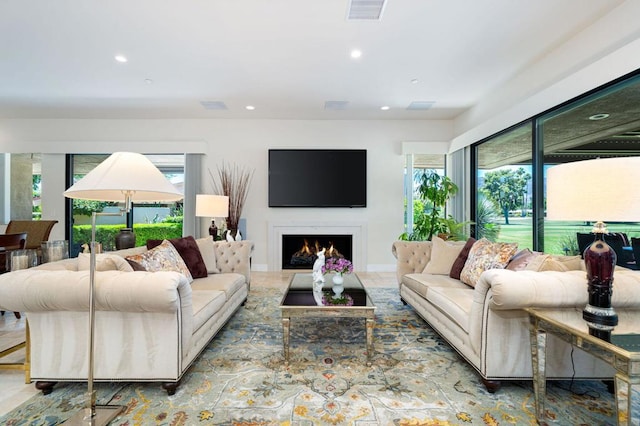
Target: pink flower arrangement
{"x": 338, "y": 265}
{"x": 328, "y": 300}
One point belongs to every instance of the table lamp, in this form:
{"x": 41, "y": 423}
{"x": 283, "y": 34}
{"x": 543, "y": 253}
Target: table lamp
{"x": 596, "y": 190}
{"x": 123, "y": 177}
{"x": 212, "y": 206}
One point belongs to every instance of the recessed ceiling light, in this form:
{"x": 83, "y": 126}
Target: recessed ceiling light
{"x": 385, "y": 108}
{"x": 355, "y": 53}
{"x": 600, "y": 116}
{"x": 250, "y": 107}
{"x": 414, "y": 81}
{"x": 121, "y": 58}
{"x": 148, "y": 81}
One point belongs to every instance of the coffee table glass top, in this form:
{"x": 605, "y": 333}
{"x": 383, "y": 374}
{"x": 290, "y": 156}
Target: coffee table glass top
{"x": 300, "y": 292}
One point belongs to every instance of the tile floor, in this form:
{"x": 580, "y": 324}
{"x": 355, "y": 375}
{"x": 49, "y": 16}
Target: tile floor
{"x": 14, "y": 391}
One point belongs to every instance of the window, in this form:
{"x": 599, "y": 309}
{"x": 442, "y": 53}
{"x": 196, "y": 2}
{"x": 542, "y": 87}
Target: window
{"x": 149, "y": 221}
{"x": 415, "y": 209}
{"x": 602, "y": 123}
{"x": 503, "y": 199}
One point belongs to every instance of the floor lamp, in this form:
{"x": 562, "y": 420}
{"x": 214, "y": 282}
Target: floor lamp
{"x": 123, "y": 177}
{"x": 212, "y": 206}
{"x": 596, "y": 190}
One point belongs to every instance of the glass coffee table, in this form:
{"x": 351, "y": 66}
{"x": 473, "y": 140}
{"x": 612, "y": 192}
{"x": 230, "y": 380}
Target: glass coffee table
{"x": 622, "y": 353}
{"x": 300, "y": 301}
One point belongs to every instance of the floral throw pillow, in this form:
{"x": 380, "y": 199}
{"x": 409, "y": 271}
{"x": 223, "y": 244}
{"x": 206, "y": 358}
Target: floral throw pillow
{"x": 162, "y": 258}
{"x": 486, "y": 255}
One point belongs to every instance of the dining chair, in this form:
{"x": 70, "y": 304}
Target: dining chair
{"x": 37, "y": 231}
{"x": 8, "y": 243}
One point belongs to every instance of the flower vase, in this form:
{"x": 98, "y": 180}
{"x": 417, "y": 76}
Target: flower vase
{"x": 337, "y": 288}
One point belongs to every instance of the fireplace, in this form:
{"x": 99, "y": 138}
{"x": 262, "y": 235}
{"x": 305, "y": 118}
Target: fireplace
{"x": 356, "y": 230}
{"x": 299, "y": 251}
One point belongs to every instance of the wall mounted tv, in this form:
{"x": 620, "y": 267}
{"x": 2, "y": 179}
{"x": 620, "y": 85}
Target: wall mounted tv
{"x": 317, "y": 178}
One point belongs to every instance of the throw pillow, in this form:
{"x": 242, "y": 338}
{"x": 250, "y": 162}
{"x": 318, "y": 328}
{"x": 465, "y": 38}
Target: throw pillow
{"x": 190, "y": 253}
{"x": 104, "y": 262}
{"x": 443, "y": 254}
{"x": 486, "y": 255}
{"x": 458, "y": 264}
{"x": 162, "y": 258}
{"x": 208, "y": 252}
{"x": 522, "y": 259}
{"x": 548, "y": 262}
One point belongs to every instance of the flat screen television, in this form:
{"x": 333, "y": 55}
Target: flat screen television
{"x": 317, "y": 178}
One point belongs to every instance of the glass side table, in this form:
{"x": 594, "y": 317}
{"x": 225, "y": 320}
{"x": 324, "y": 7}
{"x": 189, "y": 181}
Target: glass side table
{"x": 622, "y": 353}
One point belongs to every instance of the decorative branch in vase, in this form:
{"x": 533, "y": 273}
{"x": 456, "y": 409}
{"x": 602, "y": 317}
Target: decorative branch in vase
{"x": 233, "y": 181}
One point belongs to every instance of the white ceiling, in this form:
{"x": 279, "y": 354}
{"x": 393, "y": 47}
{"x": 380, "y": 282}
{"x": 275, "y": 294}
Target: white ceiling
{"x": 285, "y": 57}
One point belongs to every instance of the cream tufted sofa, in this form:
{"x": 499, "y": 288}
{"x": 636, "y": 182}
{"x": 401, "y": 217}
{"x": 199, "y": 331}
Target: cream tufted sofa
{"x": 150, "y": 326}
{"x": 487, "y": 325}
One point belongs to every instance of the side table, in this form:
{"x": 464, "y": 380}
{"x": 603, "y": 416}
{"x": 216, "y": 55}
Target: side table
{"x": 623, "y": 354}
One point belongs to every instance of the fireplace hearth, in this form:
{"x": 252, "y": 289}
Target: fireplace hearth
{"x": 299, "y": 251}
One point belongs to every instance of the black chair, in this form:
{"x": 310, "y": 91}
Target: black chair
{"x": 618, "y": 241}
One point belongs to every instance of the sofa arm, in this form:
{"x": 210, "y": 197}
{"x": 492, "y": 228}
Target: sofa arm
{"x": 412, "y": 257}
{"x": 234, "y": 256}
{"x": 551, "y": 289}
{"x": 35, "y": 290}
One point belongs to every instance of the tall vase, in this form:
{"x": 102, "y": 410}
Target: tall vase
{"x": 338, "y": 288}
{"x": 125, "y": 239}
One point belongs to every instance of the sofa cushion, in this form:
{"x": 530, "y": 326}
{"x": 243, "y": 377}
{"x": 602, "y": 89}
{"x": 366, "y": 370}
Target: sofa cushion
{"x": 162, "y": 258}
{"x": 486, "y": 255}
{"x": 205, "y": 304}
{"x": 443, "y": 254}
{"x": 208, "y": 252}
{"x": 454, "y": 302}
{"x": 420, "y": 283}
{"x": 190, "y": 253}
{"x": 104, "y": 262}
{"x": 229, "y": 283}
{"x": 458, "y": 264}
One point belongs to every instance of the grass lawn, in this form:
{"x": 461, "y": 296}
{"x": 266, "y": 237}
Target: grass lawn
{"x": 557, "y": 234}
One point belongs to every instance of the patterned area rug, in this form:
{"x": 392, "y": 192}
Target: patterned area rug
{"x": 240, "y": 379}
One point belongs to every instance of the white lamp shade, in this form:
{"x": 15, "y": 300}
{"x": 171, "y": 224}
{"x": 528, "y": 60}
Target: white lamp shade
{"x": 212, "y": 205}
{"x": 594, "y": 190}
{"x": 122, "y": 173}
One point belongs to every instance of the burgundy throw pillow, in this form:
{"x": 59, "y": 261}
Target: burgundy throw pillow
{"x": 190, "y": 253}
{"x": 458, "y": 264}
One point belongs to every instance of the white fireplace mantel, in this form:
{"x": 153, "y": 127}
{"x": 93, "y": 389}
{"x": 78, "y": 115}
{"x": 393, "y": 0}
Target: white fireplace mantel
{"x": 357, "y": 230}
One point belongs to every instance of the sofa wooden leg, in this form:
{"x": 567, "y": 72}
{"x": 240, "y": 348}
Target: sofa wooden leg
{"x": 492, "y": 386}
{"x": 170, "y": 387}
{"x": 404, "y": 302}
{"x": 45, "y": 387}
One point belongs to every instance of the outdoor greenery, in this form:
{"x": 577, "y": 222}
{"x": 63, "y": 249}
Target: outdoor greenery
{"x": 106, "y": 234}
{"x": 506, "y": 188}
{"x": 434, "y": 190}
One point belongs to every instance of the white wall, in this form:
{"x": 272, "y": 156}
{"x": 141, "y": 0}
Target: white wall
{"x": 246, "y": 142}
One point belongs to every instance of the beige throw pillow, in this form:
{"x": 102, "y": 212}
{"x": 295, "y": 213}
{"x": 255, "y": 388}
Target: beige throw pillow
{"x": 208, "y": 252}
{"x": 486, "y": 255}
{"x": 104, "y": 262}
{"x": 443, "y": 254}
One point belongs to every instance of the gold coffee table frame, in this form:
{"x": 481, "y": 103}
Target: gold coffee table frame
{"x": 299, "y": 301}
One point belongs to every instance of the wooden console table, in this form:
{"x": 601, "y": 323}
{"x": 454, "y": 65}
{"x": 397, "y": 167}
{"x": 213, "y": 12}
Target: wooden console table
{"x": 623, "y": 354}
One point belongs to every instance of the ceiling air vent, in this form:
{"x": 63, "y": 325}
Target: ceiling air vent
{"x": 365, "y": 10}
{"x": 213, "y": 105}
{"x": 336, "y": 105}
{"x": 420, "y": 105}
